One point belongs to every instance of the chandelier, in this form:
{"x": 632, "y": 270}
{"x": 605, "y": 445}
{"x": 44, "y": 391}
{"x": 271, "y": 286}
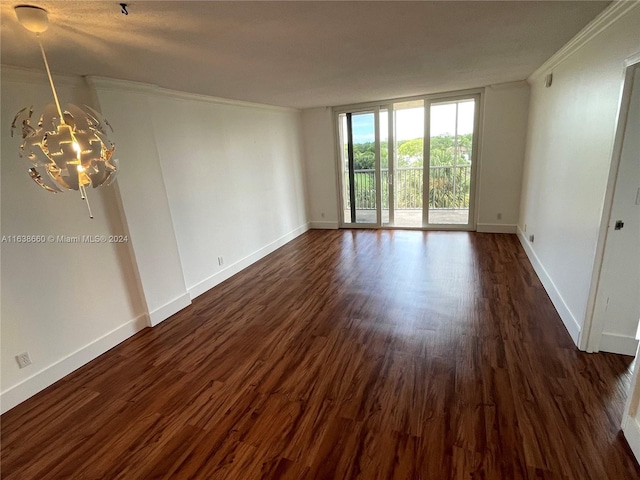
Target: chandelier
{"x": 68, "y": 147}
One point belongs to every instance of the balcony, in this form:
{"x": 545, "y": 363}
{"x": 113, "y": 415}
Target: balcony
{"x": 448, "y": 195}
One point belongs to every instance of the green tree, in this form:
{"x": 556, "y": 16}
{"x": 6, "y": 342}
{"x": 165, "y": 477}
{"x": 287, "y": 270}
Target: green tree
{"x": 364, "y": 155}
{"x": 447, "y": 150}
{"x": 410, "y": 153}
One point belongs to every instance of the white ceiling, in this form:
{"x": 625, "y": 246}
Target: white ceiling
{"x": 298, "y": 53}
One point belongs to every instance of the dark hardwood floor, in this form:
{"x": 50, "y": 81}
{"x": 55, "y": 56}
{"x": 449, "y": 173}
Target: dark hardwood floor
{"x": 345, "y": 354}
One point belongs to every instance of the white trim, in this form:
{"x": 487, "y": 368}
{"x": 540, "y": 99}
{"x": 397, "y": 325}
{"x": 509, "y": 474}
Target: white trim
{"x": 615, "y": 343}
{"x": 593, "y": 325}
{"x": 569, "y": 321}
{"x": 452, "y": 95}
{"x": 378, "y": 163}
{"x": 496, "y": 228}
{"x": 63, "y": 367}
{"x": 337, "y": 158}
{"x": 476, "y": 162}
{"x": 32, "y": 76}
{"x": 168, "y": 309}
{"x": 231, "y": 270}
{"x": 323, "y": 225}
{"x": 631, "y": 431}
{"x": 629, "y": 423}
{"x": 508, "y": 85}
{"x": 111, "y": 84}
{"x": 605, "y": 19}
{"x": 632, "y": 60}
{"x": 27, "y": 75}
{"x": 104, "y": 83}
{"x": 426, "y": 160}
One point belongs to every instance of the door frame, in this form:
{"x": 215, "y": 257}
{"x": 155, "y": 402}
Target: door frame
{"x": 591, "y": 333}
{"x": 388, "y": 104}
{"x": 472, "y": 222}
{"x": 375, "y": 109}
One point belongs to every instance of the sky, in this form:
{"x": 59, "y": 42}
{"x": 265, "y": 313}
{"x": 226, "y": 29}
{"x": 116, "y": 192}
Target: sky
{"x": 410, "y": 122}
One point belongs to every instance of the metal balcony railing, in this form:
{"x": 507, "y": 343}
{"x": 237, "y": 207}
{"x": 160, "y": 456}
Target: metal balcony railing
{"x": 448, "y": 188}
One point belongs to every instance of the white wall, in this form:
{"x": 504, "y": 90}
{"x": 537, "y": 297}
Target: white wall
{"x": 504, "y": 131}
{"x": 320, "y": 148}
{"x": 234, "y": 175}
{"x": 62, "y": 303}
{"x": 504, "y": 126}
{"x": 199, "y": 178}
{"x": 144, "y": 196}
{"x": 569, "y": 148}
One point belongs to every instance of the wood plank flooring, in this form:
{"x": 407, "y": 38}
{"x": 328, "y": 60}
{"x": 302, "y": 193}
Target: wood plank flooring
{"x": 343, "y": 355}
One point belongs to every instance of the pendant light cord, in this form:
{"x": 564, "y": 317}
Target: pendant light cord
{"x": 53, "y": 88}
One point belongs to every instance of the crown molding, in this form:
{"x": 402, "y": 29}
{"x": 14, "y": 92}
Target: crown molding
{"x": 165, "y": 92}
{"x": 32, "y": 76}
{"x": 509, "y": 85}
{"x": 607, "y": 17}
{"x": 114, "y": 84}
{"x": 35, "y": 77}
{"x": 632, "y": 60}
{"x": 104, "y": 83}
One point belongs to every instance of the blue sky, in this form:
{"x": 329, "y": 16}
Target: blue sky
{"x": 410, "y": 122}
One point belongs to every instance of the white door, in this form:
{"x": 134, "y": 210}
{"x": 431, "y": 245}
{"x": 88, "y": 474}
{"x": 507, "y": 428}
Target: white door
{"x": 617, "y": 306}
{"x": 621, "y": 291}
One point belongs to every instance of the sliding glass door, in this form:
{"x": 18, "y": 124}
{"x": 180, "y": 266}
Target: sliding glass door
{"x": 409, "y": 164}
{"x": 360, "y": 168}
{"x": 451, "y": 130}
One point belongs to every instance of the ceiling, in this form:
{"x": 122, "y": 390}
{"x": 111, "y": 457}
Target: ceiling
{"x": 298, "y": 53}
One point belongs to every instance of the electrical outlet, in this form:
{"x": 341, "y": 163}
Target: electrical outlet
{"x": 322, "y": 214}
{"x": 23, "y": 360}
{"x": 532, "y": 238}
{"x": 220, "y": 261}
{"x": 499, "y": 216}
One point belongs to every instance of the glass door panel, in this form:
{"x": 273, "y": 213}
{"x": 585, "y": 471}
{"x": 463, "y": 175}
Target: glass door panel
{"x": 386, "y": 184}
{"x": 360, "y": 179}
{"x": 408, "y": 163}
{"x": 451, "y": 144}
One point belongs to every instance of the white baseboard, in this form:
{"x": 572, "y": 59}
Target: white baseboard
{"x": 63, "y": 367}
{"x": 324, "y": 225}
{"x": 165, "y": 311}
{"x": 569, "y": 321}
{"x": 231, "y": 270}
{"x": 621, "y": 344}
{"x": 631, "y": 430}
{"x": 496, "y": 228}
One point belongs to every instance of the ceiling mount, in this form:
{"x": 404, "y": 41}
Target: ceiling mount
{"x": 34, "y": 19}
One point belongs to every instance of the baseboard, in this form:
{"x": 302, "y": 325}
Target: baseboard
{"x": 496, "y": 228}
{"x": 569, "y": 321}
{"x": 631, "y": 430}
{"x": 621, "y": 344}
{"x": 164, "y": 312}
{"x": 51, "y": 374}
{"x": 324, "y": 225}
{"x": 231, "y": 270}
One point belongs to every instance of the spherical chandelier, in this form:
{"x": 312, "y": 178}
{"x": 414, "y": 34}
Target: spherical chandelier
{"x": 68, "y": 147}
